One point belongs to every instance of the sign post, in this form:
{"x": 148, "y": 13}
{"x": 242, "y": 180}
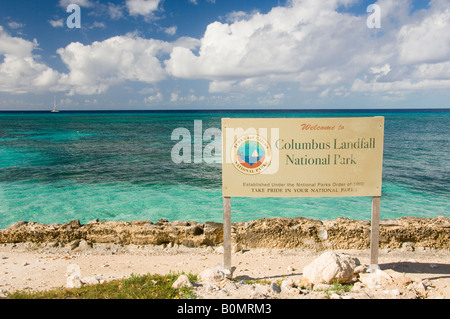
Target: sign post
{"x": 302, "y": 157}
{"x": 375, "y": 233}
{"x": 227, "y": 232}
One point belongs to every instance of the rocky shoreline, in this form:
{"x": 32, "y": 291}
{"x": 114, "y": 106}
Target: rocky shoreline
{"x": 299, "y": 232}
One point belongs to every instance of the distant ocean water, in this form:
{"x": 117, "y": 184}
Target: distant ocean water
{"x": 117, "y": 166}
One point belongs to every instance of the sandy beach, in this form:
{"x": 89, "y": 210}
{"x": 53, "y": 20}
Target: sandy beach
{"x": 40, "y": 266}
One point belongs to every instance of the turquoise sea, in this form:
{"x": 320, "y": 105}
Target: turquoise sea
{"x": 117, "y": 166}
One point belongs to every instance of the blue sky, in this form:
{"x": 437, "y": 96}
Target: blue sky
{"x": 224, "y": 54}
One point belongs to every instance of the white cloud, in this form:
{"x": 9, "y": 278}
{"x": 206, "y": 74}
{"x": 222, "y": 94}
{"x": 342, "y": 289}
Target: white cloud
{"x": 15, "y": 25}
{"x": 142, "y": 7}
{"x": 314, "y": 44}
{"x": 221, "y": 86}
{"x": 114, "y": 11}
{"x": 81, "y": 3}
{"x": 422, "y": 59}
{"x": 190, "y": 98}
{"x": 94, "y": 68}
{"x": 96, "y": 24}
{"x": 432, "y": 71}
{"x": 271, "y": 99}
{"x": 171, "y": 30}
{"x": 403, "y": 85}
{"x": 56, "y": 23}
{"x": 306, "y": 36}
{"x": 20, "y": 71}
{"x": 174, "y": 97}
{"x": 13, "y": 46}
{"x": 427, "y": 40}
{"x": 158, "y": 97}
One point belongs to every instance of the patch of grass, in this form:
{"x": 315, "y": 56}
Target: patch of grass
{"x": 342, "y": 287}
{"x": 337, "y": 288}
{"x": 136, "y": 287}
{"x": 253, "y": 281}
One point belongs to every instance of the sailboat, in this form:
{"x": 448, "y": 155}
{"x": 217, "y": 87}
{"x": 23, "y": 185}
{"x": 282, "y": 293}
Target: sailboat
{"x": 55, "y": 110}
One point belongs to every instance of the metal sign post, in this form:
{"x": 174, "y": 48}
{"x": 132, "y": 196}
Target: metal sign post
{"x": 375, "y": 233}
{"x": 227, "y": 232}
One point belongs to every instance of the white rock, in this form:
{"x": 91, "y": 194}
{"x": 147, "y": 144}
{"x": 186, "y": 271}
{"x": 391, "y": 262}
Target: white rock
{"x": 330, "y": 267}
{"x": 393, "y": 292}
{"x": 3, "y": 294}
{"x": 358, "y": 286}
{"x": 84, "y": 245}
{"x": 420, "y": 288}
{"x": 182, "y": 281}
{"x": 237, "y": 248}
{"x": 73, "y": 274}
{"x": 287, "y": 283}
{"x": 73, "y": 270}
{"x": 322, "y": 233}
{"x": 214, "y": 274}
{"x": 93, "y": 280}
{"x": 73, "y": 282}
{"x": 376, "y": 279}
{"x": 293, "y": 291}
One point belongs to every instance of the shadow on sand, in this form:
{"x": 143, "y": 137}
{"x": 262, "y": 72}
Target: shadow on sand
{"x": 419, "y": 268}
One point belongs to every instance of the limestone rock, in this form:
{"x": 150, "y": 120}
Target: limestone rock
{"x": 330, "y": 267}
{"x": 182, "y": 281}
{"x": 237, "y": 248}
{"x": 288, "y": 283}
{"x": 83, "y": 245}
{"x": 73, "y": 282}
{"x": 73, "y": 274}
{"x": 341, "y": 233}
{"x": 93, "y": 280}
{"x": 73, "y": 244}
{"x": 376, "y": 279}
{"x": 215, "y": 274}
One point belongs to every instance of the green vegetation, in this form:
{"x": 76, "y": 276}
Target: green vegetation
{"x": 136, "y": 287}
{"x": 337, "y": 288}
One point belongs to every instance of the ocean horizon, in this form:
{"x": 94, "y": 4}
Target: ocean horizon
{"x": 244, "y": 110}
{"x": 116, "y": 165}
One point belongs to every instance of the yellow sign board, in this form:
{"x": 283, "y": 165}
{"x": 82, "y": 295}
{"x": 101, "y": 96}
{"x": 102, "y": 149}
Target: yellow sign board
{"x": 302, "y": 157}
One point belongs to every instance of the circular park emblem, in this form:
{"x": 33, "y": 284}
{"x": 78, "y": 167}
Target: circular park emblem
{"x": 252, "y": 154}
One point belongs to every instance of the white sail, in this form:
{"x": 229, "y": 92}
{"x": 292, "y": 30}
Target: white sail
{"x": 55, "y": 110}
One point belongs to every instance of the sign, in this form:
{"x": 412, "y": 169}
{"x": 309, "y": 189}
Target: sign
{"x": 302, "y": 157}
